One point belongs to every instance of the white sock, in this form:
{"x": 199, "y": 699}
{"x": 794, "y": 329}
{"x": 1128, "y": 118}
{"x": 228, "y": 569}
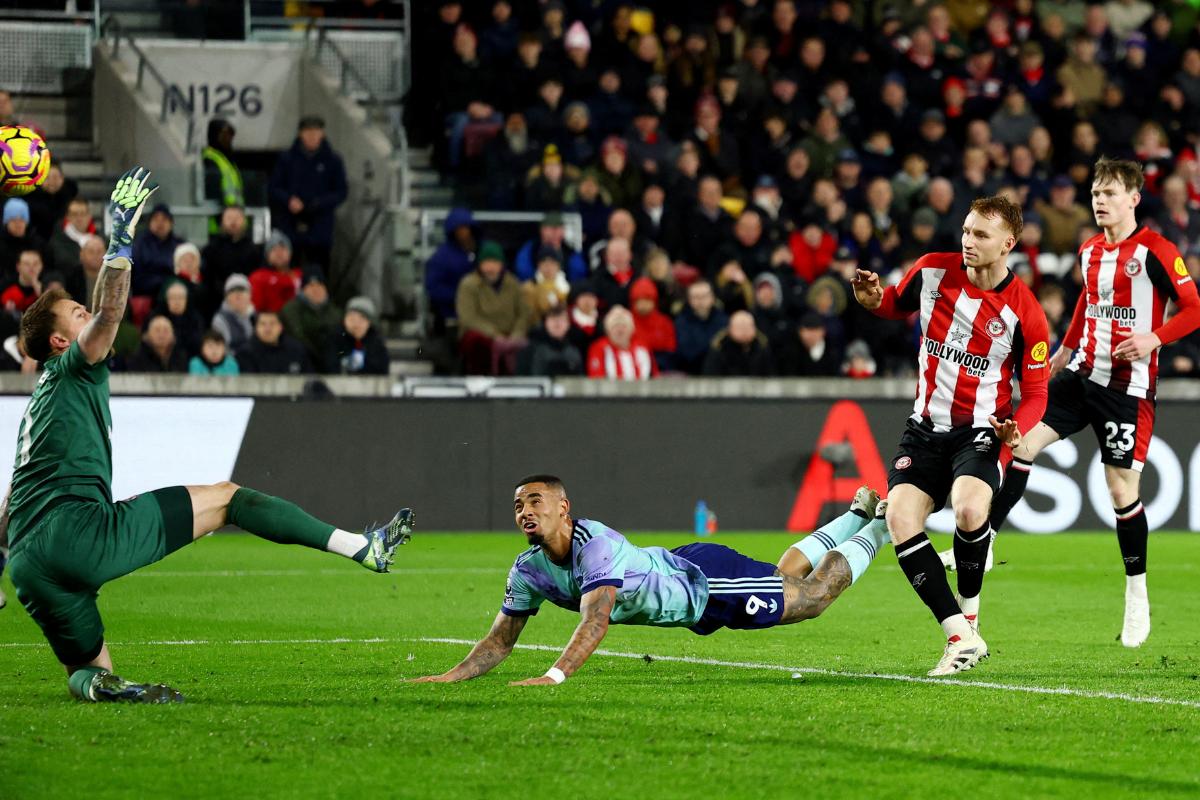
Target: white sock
{"x": 956, "y": 625}
{"x": 1135, "y": 585}
{"x": 969, "y": 605}
{"x": 345, "y": 543}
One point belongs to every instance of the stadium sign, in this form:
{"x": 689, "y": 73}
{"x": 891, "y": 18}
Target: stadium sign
{"x": 255, "y": 85}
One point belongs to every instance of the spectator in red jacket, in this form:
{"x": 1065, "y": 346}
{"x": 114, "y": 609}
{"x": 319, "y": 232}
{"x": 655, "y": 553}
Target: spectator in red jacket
{"x": 617, "y": 354}
{"x": 276, "y": 283}
{"x": 812, "y": 251}
{"x": 652, "y": 327}
{"x": 28, "y": 287}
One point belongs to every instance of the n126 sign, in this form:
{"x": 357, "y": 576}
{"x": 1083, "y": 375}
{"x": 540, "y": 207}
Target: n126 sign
{"x": 222, "y": 99}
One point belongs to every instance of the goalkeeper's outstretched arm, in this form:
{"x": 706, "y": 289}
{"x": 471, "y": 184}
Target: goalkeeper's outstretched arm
{"x": 112, "y": 284}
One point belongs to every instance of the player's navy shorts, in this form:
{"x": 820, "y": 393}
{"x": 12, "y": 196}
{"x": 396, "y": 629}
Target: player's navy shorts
{"x": 742, "y": 593}
{"x": 1122, "y": 423}
{"x": 932, "y": 461}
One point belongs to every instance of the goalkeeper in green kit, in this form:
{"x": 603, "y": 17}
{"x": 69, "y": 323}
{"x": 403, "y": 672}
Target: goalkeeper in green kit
{"x": 66, "y": 536}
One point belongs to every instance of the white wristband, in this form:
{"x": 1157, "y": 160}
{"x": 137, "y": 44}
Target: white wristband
{"x": 555, "y": 674}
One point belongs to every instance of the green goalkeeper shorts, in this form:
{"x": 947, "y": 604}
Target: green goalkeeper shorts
{"x": 79, "y": 545}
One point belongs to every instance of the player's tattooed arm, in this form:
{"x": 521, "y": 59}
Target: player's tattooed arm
{"x": 596, "y": 607}
{"x": 486, "y": 654}
{"x": 108, "y": 308}
{"x": 805, "y": 598}
{"x": 112, "y": 284}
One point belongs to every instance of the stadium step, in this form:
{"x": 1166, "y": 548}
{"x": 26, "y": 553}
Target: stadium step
{"x": 400, "y": 368}
{"x": 58, "y": 117}
{"x": 404, "y": 348}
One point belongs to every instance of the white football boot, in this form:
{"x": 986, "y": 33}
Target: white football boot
{"x": 1137, "y": 619}
{"x": 961, "y": 655}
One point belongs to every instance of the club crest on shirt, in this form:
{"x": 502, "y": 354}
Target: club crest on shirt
{"x": 996, "y": 327}
{"x": 1133, "y": 268}
{"x": 1180, "y": 267}
{"x": 903, "y": 462}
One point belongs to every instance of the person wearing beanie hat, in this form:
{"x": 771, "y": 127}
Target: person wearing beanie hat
{"x": 771, "y": 317}
{"x": 306, "y": 188}
{"x": 577, "y": 38}
{"x": 311, "y": 317}
{"x": 273, "y": 285}
{"x": 187, "y": 262}
{"x": 548, "y": 288}
{"x": 16, "y": 236}
{"x": 493, "y": 316}
{"x": 652, "y": 327}
{"x": 154, "y": 252}
{"x": 621, "y": 180}
{"x": 356, "y": 348}
{"x": 222, "y": 178}
{"x": 234, "y": 319}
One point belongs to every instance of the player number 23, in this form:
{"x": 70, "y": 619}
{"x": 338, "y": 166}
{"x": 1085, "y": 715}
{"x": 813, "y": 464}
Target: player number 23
{"x": 1124, "y": 430}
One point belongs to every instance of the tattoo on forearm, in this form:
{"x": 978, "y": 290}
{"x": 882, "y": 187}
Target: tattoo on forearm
{"x": 110, "y": 296}
{"x": 492, "y": 649}
{"x": 805, "y": 598}
{"x": 590, "y": 631}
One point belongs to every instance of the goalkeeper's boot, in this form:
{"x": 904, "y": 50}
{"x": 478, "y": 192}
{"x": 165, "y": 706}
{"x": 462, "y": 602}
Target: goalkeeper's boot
{"x": 382, "y": 542}
{"x": 105, "y": 687}
{"x": 961, "y": 654}
{"x": 865, "y": 500}
{"x": 1137, "y": 619}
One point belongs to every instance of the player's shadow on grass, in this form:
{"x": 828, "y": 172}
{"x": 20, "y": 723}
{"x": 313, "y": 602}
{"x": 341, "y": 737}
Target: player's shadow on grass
{"x": 1147, "y": 786}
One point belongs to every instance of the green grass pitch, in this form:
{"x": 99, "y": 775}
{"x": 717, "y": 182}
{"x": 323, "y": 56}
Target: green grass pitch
{"x": 294, "y": 665}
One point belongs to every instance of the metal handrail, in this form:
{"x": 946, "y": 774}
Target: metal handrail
{"x": 170, "y": 94}
{"x": 395, "y": 130}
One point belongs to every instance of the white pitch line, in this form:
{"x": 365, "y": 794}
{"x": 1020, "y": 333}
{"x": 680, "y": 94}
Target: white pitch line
{"x": 295, "y": 573}
{"x": 1064, "y": 691}
{"x": 713, "y": 662}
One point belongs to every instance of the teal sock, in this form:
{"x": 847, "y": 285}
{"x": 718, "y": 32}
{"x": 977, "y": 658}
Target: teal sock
{"x": 860, "y": 548}
{"x": 277, "y": 520}
{"x": 80, "y": 682}
{"x": 821, "y": 541}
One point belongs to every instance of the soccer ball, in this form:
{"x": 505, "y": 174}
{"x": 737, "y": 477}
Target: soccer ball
{"x": 24, "y": 160}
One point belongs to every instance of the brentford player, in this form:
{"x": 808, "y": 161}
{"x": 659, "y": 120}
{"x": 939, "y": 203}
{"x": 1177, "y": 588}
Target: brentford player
{"x": 981, "y": 330}
{"x": 1110, "y": 355}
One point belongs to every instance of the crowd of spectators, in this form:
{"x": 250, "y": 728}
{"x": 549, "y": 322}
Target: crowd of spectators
{"x": 221, "y": 307}
{"x": 734, "y": 161}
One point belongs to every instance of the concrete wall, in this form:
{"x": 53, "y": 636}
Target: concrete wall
{"x": 128, "y": 130}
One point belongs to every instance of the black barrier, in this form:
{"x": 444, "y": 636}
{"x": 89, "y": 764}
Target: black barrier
{"x": 643, "y": 464}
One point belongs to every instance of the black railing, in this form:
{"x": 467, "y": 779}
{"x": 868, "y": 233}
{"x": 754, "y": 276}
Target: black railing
{"x": 172, "y": 98}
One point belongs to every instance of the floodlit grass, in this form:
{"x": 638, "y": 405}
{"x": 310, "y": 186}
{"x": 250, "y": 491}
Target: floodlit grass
{"x": 277, "y": 708}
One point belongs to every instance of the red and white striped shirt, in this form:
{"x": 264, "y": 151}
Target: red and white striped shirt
{"x": 606, "y": 360}
{"x": 974, "y": 343}
{"x": 1126, "y": 286}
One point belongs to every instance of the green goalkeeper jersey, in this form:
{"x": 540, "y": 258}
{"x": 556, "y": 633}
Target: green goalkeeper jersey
{"x": 63, "y": 444}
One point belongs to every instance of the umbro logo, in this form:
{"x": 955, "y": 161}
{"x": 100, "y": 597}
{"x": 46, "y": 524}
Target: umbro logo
{"x": 918, "y": 579}
{"x": 968, "y": 565}
{"x": 934, "y": 294}
{"x": 1132, "y": 559}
